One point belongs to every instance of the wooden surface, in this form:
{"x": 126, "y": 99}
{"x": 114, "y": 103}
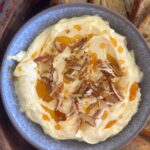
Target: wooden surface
{"x": 13, "y": 14}
{"x": 12, "y": 17}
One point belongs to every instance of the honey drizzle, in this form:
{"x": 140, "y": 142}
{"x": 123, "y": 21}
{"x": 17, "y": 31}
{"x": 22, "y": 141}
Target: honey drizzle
{"x": 110, "y": 124}
{"x": 42, "y": 91}
{"x": 55, "y": 114}
{"x": 77, "y": 27}
{"x": 94, "y": 59}
{"x": 104, "y": 116}
{"x": 133, "y": 91}
{"x": 57, "y": 126}
{"x": 65, "y": 41}
{"x": 45, "y": 117}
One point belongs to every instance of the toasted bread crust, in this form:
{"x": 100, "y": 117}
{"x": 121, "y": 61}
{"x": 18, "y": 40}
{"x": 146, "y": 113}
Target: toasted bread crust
{"x": 94, "y": 1}
{"x": 116, "y": 5}
{"x": 144, "y": 27}
{"x": 128, "y": 6}
{"x": 146, "y": 131}
{"x": 146, "y": 16}
{"x": 56, "y": 2}
{"x": 135, "y": 10}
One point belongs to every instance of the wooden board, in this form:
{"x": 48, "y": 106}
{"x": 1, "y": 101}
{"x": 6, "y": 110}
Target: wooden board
{"x": 13, "y": 14}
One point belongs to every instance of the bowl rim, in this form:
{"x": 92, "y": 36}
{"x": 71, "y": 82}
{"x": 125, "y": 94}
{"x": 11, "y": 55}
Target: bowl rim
{"x": 14, "y": 123}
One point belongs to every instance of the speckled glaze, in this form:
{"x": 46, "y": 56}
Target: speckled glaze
{"x": 33, "y": 132}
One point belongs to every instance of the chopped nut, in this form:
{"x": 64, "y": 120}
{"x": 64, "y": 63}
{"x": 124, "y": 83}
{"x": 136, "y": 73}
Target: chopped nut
{"x": 82, "y": 73}
{"x": 82, "y": 88}
{"x": 106, "y": 69}
{"x": 118, "y": 72}
{"x": 90, "y": 107}
{"x": 89, "y": 92}
{"x": 109, "y": 104}
{"x": 79, "y": 124}
{"x": 59, "y": 103}
{"x": 59, "y": 46}
{"x": 45, "y": 58}
{"x": 56, "y": 91}
{"x": 74, "y": 108}
{"x": 73, "y": 61}
{"x": 97, "y": 113}
{"x": 87, "y": 119}
{"x": 79, "y": 44}
{"x": 133, "y": 91}
{"x": 117, "y": 92}
{"x": 72, "y": 68}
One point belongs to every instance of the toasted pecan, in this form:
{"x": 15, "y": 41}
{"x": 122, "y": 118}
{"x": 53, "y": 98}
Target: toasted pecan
{"x": 117, "y": 92}
{"x": 97, "y": 113}
{"x": 79, "y": 44}
{"x": 74, "y": 107}
{"x": 56, "y": 91}
{"x": 59, "y": 46}
{"x": 88, "y": 119}
{"x": 59, "y": 103}
{"x": 44, "y": 58}
{"x": 136, "y": 10}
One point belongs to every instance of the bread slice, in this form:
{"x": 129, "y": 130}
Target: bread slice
{"x": 129, "y": 5}
{"x": 104, "y": 3}
{"x": 144, "y": 28}
{"x": 116, "y": 5}
{"x": 140, "y": 8}
{"x": 57, "y": 2}
{"x": 139, "y": 143}
{"x": 123, "y": 7}
{"x": 146, "y": 131}
{"x": 95, "y": 1}
{"x": 73, "y": 1}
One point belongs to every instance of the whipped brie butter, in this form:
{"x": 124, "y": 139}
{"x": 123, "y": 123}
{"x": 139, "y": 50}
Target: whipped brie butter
{"x": 78, "y": 80}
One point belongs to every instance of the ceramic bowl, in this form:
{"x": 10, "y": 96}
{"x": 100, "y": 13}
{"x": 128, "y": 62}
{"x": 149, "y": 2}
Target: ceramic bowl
{"x": 32, "y": 132}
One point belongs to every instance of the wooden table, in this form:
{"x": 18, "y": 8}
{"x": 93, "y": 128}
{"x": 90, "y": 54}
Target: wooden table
{"x": 14, "y": 13}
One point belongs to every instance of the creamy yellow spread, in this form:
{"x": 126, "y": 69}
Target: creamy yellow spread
{"x": 51, "y": 76}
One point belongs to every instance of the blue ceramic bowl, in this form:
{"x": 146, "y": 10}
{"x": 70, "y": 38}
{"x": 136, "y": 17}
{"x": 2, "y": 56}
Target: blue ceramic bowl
{"x": 32, "y": 132}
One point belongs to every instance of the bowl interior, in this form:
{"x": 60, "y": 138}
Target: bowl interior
{"x": 31, "y": 131}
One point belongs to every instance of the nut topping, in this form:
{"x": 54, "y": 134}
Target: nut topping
{"x": 56, "y": 91}
{"x": 88, "y": 119}
{"x": 79, "y": 66}
{"x": 44, "y": 59}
